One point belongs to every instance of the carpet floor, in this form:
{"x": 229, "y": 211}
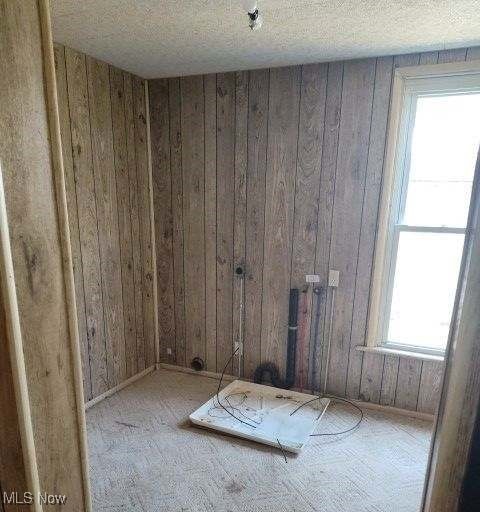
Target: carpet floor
{"x": 145, "y": 456}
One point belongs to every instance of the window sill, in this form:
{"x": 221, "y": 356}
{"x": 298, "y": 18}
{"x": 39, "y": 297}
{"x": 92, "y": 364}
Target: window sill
{"x": 400, "y": 353}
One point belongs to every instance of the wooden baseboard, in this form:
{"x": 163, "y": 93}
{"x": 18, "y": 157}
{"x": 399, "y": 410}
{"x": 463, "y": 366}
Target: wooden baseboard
{"x": 120, "y": 386}
{"x": 364, "y": 405}
{"x": 210, "y": 375}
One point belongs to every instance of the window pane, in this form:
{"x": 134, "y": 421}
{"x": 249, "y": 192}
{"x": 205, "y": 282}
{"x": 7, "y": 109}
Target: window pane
{"x": 424, "y": 288}
{"x": 445, "y": 142}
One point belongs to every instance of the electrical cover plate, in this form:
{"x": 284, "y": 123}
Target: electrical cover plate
{"x": 265, "y": 413}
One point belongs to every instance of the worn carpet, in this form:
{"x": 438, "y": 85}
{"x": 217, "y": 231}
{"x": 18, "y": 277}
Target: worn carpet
{"x": 145, "y": 456}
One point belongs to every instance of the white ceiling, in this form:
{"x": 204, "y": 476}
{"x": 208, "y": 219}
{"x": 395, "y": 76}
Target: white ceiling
{"x": 155, "y": 38}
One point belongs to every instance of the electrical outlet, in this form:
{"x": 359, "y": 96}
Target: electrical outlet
{"x": 312, "y": 278}
{"x": 333, "y": 278}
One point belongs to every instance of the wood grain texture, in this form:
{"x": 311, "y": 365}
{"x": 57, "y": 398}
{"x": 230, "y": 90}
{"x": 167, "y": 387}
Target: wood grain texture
{"x": 240, "y": 210}
{"x": 315, "y": 142}
{"x": 135, "y": 221}
{"x": 30, "y": 156}
{"x": 457, "y": 55}
{"x": 322, "y": 302}
{"x": 225, "y": 215}
{"x": 408, "y": 384}
{"x": 12, "y": 466}
{"x": 210, "y": 88}
{"x": 64, "y": 117}
{"x": 389, "y": 380}
{"x": 138, "y": 86}
{"x": 256, "y": 169}
{"x": 104, "y": 147}
{"x": 371, "y": 378}
{"x": 87, "y": 217}
{"x": 307, "y": 189}
{"x": 353, "y": 140}
{"x": 283, "y": 117}
{"x": 117, "y": 94}
{"x": 193, "y": 159}
{"x": 430, "y": 386}
{"x": 177, "y": 217}
{"x": 473, "y": 53}
{"x": 162, "y": 196}
{"x": 107, "y": 217}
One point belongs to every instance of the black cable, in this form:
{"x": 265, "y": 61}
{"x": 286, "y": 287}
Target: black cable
{"x": 283, "y": 451}
{"x": 231, "y": 406}
{"x": 340, "y": 400}
{"x": 220, "y": 385}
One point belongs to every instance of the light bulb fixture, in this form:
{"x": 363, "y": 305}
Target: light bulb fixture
{"x": 255, "y": 19}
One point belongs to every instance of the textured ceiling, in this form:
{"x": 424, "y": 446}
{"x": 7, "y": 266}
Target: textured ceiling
{"x": 155, "y": 38}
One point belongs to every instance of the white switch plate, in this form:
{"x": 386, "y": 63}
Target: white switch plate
{"x": 333, "y": 278}
{"x": 312, "y": 278}
{"x": 169, "y": 351}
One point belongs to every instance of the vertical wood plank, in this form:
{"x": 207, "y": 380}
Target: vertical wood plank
{"x": 240, "y": 207}
{"x": 307, "y": 188}
{"x": 13, "y": 467}
{"x": 30, "y": 155}
{"x": 371, "y": 198}
{"x": 106, "y": 198}
{"x": 428, "y": 58}
{"x": 193, "y": 158}
{"x": 210, "y": 88}
{"x": 325, "y": 211}
{"x": 473, "y": 53}
{"x": 430, "y": 386}
{"x": 162, "y": 196}
{"x": 87, "y": 217}
{"x": 139, "y": 362}
{"x": 64, "y": 116}
{"x": 177, "y": 215}
{"x": 279, "y": 210}
{"x": 371, "y": 378}
{"x": 225, "y": 215}
{"x": 124, "y": 218}
{"x": 353, "y": 140}
{"x": 408, "y": 383}
{"x": 456, "y": 55}
{"x": 138, "y": 86}
{"x": 389, "y": 380}
{"x": 256, "y": 168}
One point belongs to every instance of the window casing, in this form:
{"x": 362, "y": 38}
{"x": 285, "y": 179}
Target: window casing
{"x": 400, "y": 231}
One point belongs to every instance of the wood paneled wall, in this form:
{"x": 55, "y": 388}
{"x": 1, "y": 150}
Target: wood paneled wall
{"x": 104, "y": 140}
{"x": 38, "y": 347}
{"x": 278, "y": 170}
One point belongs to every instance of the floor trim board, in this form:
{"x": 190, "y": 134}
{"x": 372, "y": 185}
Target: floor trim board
{"x": 210, "y": 375}
{"x": 230, "y": 378}
{"x": 120, "y": 386}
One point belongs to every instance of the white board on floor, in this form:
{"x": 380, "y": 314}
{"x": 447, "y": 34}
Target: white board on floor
{"x": 263, "y": 414}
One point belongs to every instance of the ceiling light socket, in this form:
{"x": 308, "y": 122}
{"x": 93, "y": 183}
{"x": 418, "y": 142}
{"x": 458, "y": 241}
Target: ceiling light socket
{"x": 255, "y": 20}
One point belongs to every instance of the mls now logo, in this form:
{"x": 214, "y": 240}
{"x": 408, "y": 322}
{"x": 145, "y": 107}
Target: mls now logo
{"x": 27, "y": 498}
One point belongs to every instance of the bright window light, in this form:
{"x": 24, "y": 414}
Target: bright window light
{"x": 434, "y": 184}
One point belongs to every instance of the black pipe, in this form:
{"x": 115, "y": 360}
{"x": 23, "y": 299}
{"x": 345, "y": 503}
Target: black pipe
{"x": 197, "y": 364}
{"x": 314, "y": 344}
{"x": 271, "y": 369}
{"x": 292, "y": 338}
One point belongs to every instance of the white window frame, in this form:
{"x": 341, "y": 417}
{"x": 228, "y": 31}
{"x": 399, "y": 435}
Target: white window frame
{"x": 408, "y": 84}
